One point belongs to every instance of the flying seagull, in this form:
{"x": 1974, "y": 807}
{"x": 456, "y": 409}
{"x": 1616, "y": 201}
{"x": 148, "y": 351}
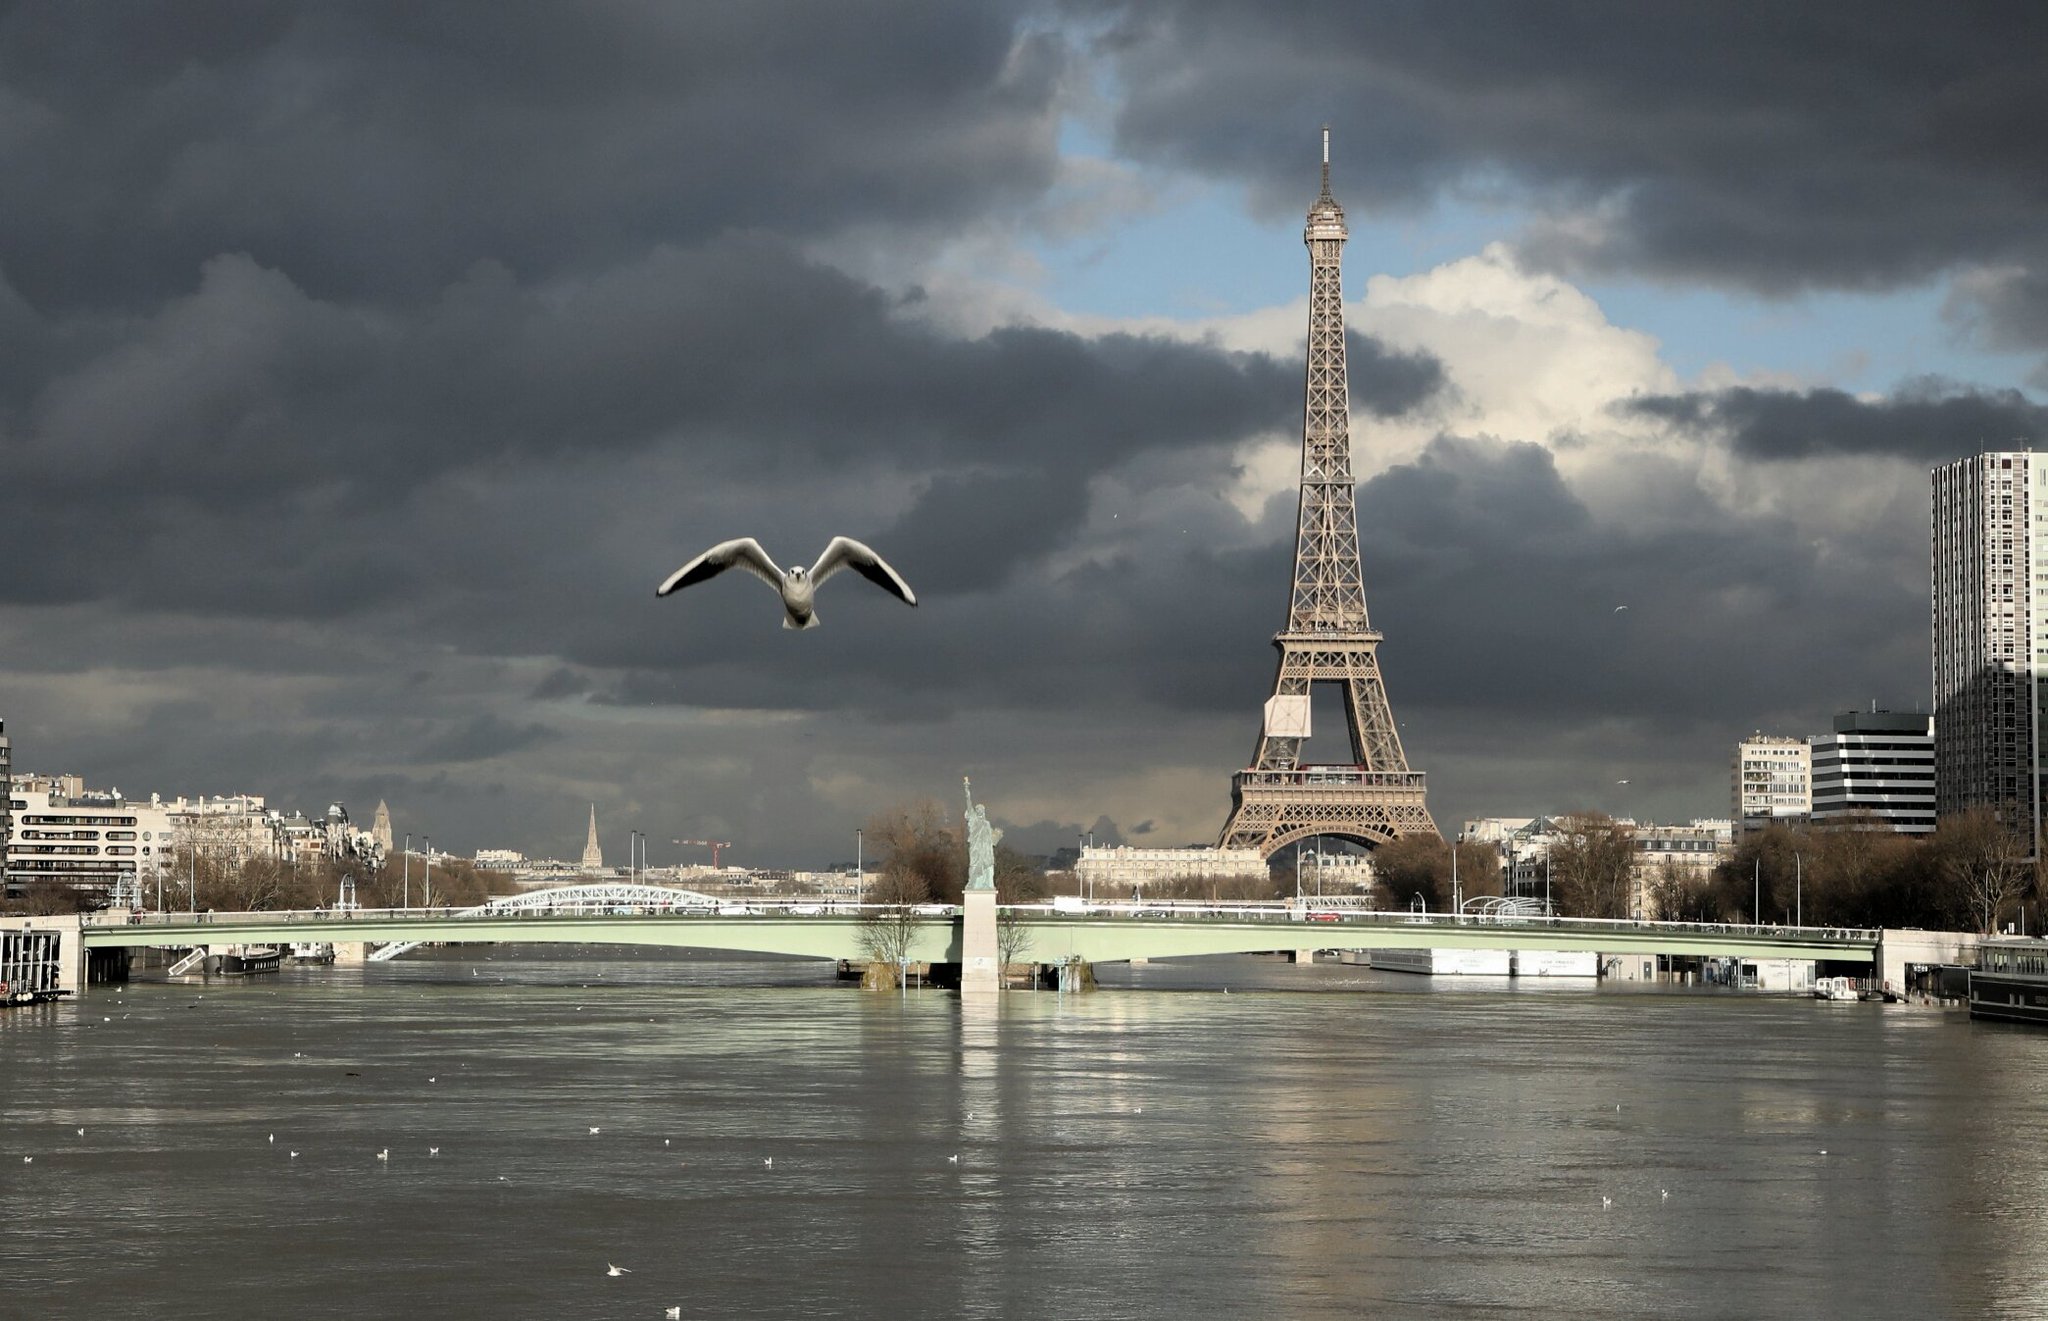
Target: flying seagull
{"x": 797, "y": 585}
{"x": 610, "y": 1269}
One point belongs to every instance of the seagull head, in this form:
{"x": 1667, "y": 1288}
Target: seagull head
{"x": 797, "y": 573}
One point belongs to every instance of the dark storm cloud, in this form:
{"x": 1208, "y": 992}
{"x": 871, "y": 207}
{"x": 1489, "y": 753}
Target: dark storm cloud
{"x": 1850, "y": 145}
{"x": 1386, "y": 382}
{"x": 247, "y": 413}
{"x": 1932, "y": 422}
{"x": 483, "y": 737}
{"x": 1497, "y": 589}
{"x": 382, "y": 148}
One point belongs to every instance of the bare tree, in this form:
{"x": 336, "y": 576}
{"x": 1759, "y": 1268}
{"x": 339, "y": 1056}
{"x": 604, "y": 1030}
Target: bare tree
{"x": 1984, "y": 862}
{"x": 888, "y": 927}
{"x": 1013, "y": 941}
{"x": 1681, "y": 894}
{"x": 1593, "y": 865}
{"x": 919, "y": 847}
{"x": 887, "y": 935}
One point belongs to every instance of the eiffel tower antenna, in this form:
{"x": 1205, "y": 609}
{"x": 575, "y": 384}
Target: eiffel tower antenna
{"x": 1376, "y": 798}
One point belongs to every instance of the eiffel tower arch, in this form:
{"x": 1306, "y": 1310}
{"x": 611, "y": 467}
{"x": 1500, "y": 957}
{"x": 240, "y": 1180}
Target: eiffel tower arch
{"x": 1329, "y": 639}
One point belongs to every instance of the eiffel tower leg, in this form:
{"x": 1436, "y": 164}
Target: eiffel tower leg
{"x": 1375, "y": 739}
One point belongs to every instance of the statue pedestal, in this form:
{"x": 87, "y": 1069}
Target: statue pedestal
{"x": 981, "y": 969}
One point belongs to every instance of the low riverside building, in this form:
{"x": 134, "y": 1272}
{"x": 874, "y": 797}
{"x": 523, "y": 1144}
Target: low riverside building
{"x": 1123, "y": 867}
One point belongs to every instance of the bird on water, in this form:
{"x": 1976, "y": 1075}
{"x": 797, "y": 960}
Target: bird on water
{"x": 797, "y": 585}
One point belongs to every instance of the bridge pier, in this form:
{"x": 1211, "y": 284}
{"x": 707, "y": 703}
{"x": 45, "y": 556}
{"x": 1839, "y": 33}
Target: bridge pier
{"x": 352, "y": 951}
{"x": 981, "y": 972}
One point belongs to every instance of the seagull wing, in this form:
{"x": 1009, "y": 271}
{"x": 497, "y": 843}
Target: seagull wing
{"x": 742, "y": 552}
{"x": 846, "y": 553}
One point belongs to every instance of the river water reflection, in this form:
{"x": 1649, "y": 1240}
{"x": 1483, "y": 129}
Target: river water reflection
{"x": 1317, "y": 1143}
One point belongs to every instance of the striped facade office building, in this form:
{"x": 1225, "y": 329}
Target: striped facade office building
{"x": 1877, "y": 767}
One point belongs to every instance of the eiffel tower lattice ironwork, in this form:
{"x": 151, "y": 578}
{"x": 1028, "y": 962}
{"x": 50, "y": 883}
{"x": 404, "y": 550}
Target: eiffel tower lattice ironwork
{"x": 1376, "y": 798}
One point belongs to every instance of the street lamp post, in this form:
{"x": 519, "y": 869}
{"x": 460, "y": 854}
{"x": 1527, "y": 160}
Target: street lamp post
{"x": 427, "y": 880}
{"x": 408, "y": 869}
{"x": 860, "y": 868}
{"x": 1798, "y": 891}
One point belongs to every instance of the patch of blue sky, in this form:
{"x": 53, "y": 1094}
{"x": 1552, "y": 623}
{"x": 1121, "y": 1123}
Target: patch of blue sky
{"x": 1854, "y": 341}
{"x": 1200, "y": 250}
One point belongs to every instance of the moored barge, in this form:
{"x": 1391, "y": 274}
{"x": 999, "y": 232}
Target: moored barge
{"x": 2010, "y": 981}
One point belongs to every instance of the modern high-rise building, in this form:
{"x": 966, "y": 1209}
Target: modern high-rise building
{"x": 1877, "y": 766}
{"x": 1990, "y": 604}
{"x": 1772, "y": 779}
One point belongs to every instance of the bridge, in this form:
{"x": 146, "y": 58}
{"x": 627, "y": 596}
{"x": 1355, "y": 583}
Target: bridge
{"x": 1031, "y": 933}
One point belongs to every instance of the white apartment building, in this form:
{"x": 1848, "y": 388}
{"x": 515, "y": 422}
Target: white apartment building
{"x": 1990, "y": 608}
{"x": 1694, "y": 849}
{"x": 1772, "y": 779}
{"x": 1877, "y": 766}
{"x": 1122, "y": 865}
{"x": 231, "y": 828}
{"x": 60, "y": 831}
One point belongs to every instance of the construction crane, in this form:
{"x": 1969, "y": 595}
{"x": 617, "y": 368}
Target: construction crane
{"x": 715, "y": 845}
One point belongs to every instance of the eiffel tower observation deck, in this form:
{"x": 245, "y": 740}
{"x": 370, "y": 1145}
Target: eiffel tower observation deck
{"x": 1329, "y": 639}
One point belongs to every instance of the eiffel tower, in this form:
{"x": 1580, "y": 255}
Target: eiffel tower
{"x": 1328, "y": 639}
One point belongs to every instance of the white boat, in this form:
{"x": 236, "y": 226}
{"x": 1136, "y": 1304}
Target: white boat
{"x": 312, "y": 951}
{"x": 1836, "y": 988}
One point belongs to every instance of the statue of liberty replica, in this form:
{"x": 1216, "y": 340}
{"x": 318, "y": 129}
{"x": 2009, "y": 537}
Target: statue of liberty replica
{"x": 981, "y": 842}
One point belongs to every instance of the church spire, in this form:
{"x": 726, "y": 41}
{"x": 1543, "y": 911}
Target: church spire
{"x": 593, "y": 856}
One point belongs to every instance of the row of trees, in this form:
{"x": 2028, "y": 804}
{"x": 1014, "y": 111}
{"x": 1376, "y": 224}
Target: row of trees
{"x": 264, "y": 883}
{"x": 1973, "y": 873}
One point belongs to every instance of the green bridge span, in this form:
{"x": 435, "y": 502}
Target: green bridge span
{"x": 1041, "y": 936}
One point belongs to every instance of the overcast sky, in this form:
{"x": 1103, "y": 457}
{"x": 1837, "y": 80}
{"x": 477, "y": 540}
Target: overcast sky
{"x": 364, "y": 367}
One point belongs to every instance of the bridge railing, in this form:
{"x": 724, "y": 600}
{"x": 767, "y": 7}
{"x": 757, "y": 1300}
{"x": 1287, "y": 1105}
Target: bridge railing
{"x": 315, "y": 916}
{"x": 1310, "y": 911}
{"x": 1318, "y": 910}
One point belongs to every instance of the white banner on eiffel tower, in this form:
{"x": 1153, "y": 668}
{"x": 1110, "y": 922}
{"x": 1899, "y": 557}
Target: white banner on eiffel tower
{"x": 1287, "y": 717}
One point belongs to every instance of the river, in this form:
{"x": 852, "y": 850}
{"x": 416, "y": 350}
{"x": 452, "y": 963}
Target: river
{"x": 751, "y": 1140}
